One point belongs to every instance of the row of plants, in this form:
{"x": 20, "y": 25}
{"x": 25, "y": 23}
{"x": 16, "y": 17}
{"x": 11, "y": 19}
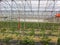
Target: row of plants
{"x": 26, "y": 40}
{"x": 30, "y": 32}
{"x": 32, "y": 25}
{"x": 44, "y": 40}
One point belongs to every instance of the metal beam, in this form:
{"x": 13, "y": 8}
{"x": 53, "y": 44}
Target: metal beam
{"x": 0, "y": 0}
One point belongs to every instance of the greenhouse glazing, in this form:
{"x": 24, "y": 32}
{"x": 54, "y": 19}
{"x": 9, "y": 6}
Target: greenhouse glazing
{"x": 29, "y": 9}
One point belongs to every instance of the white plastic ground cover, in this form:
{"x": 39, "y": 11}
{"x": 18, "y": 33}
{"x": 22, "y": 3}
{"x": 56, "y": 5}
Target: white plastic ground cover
{"x": 33, "y": 20}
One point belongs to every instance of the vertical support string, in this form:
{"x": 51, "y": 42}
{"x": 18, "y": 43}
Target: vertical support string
{"x": 38, "y": 13}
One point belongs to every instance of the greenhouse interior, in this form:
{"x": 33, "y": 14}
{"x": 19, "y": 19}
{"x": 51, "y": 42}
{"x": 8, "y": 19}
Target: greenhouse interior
{"x": 29, "y": 22}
